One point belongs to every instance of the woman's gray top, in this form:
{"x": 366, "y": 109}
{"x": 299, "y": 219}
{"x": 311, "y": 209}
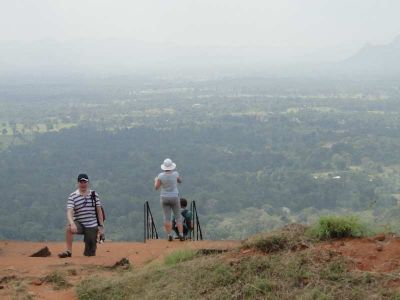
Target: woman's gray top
{"x": 169, "y": 184}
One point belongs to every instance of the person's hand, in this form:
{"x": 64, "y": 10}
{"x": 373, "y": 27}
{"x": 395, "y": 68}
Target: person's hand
{"x": 101, "y": 230}
{"x": 101, "y": 236}
{"x": 74, "y": 229}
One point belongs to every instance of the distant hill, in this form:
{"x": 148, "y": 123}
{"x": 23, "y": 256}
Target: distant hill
{"x": 374, "y": 60}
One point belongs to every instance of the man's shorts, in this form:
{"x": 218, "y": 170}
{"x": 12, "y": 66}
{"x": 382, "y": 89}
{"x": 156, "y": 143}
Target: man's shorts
{"x": 89, "y": 237}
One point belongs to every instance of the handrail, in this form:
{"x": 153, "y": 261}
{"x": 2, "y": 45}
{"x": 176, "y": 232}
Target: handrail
{"x": 150, "y": 230}
{"x": 196, "y": 233}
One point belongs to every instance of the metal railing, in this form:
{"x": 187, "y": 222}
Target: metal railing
{"x": 195, "y": 234}
{"x": 150, "y": 230}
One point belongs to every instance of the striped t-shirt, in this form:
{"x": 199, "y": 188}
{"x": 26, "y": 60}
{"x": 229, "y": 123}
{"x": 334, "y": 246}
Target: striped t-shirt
{"x": 84, "y": 211}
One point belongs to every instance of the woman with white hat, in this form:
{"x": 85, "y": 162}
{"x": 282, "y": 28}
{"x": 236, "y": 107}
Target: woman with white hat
{"x": 167, "y": 182}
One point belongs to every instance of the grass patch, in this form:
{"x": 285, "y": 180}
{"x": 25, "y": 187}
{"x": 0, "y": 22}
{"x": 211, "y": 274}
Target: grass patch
{"x": 284, "y": 275}
{"x": 179, "y": 256}
{"x": 58, "y": 280}
{"x": 21, "y": 291}
{"x": 332, "y": 227}
{"x": 291, "y": 237}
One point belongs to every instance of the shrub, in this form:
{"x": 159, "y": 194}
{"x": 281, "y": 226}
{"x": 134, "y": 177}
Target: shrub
{"x": 331, "y": 227}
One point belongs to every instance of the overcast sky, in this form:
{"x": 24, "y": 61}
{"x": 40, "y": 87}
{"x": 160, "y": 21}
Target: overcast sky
{"x": 335, "y": 27}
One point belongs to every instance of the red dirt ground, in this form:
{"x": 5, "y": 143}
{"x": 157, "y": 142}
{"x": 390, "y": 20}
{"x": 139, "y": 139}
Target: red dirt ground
{"x": 17, "y": 266}
{"x": 377, "y": 254}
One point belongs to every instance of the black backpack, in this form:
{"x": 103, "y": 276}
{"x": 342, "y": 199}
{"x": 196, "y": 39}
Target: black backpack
{"x": 93, "y": 197}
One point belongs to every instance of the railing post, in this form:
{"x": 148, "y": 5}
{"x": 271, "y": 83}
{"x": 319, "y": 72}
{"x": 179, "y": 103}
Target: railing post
{"x": 149, "y": 227}
{"x": 196, "y": 233}
{"x": 146, "y": 221}
{"x": 191, "y": 235}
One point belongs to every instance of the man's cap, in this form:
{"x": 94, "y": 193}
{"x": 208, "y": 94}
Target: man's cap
{"x": 83, "y": 177}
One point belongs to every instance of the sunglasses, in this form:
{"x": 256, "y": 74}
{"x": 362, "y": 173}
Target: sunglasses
{"x": 83, "y": 181}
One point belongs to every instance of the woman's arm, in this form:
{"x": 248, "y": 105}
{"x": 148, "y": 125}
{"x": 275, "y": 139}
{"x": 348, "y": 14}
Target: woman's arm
{"x": 179, "y": 179}
{"x": 157, "y": 183}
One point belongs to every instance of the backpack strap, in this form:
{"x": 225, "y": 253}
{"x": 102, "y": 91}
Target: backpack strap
{"x": 93, "y": 197}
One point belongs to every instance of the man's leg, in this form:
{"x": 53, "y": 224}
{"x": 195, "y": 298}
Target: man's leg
{"x": 90, "y": 238}
{"x": 69, "y": 238}
{"x": 175, "y": 228}
{"x": 185, "y": 230}
{"x": 175, "y": 205}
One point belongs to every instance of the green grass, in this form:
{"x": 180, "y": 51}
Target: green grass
{"x": 290, "y": 237}
{"x": 286, "y": 264}
{"x": 21, "y": 291}
{"x": 58, "y": 280}
{"x": 307, "y": 274}
{"x": 180, "y": 256}
{"x": 332, "y": 227}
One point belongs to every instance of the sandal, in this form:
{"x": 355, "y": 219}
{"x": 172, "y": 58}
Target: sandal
{"x": 65, "y": 254}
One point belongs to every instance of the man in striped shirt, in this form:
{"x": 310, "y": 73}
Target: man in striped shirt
{"x": 82, "y": 219}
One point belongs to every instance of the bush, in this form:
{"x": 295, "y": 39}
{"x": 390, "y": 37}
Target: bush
{"x": 332, "y": 227}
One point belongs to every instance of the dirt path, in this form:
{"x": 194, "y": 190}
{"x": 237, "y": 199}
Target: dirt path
{"x": 21, "y": 274}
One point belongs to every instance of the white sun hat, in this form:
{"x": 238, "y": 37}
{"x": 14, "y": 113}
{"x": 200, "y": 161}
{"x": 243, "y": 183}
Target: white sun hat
{"x": 168, "y": 165}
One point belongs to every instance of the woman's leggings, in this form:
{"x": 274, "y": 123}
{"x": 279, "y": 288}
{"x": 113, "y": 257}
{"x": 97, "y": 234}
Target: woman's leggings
{"x": 169, "y": 204}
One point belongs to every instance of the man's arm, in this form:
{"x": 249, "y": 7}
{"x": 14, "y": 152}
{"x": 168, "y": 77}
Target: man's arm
{"x": 191, "y": 222}
{"x": 70, "y": 218}
{"x": 100, "y": 214}
{"x": 99, "y": 211}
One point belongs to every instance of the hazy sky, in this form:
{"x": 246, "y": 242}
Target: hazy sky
{"x": 303, "y": 26}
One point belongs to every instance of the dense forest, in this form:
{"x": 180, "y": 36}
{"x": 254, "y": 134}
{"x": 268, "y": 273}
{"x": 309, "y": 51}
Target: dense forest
{"x": 255, "y": 153}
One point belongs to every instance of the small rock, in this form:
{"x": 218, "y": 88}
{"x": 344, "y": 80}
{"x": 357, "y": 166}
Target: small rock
{"x": 37, "y": 282}
{"x": 380, "y": 237}
{"x": 44, "y": 252}
{"x": 379, "y": 248}
{"x": 125, "y": 263}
